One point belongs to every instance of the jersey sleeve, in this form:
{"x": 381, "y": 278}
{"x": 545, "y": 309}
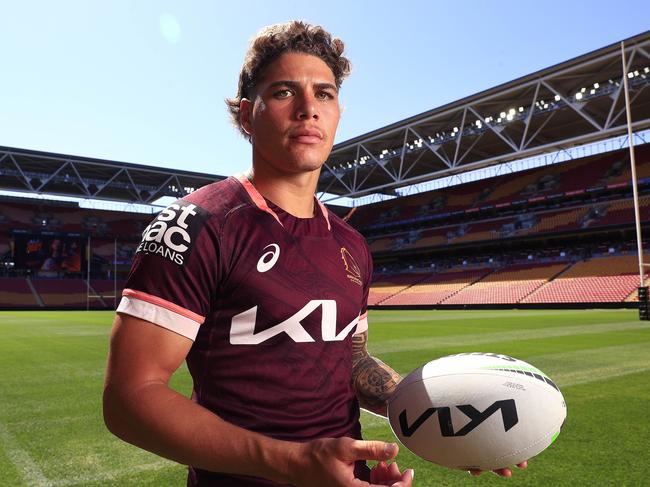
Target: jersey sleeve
{"x": 363, "y": 317}
{"x": 175, "y": 271}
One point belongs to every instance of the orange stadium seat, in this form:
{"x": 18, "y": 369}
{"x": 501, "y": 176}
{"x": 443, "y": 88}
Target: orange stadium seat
{"x": 437, "y": 287}
{"x": 602, "y": 279}
{"x": 507, "y": 285}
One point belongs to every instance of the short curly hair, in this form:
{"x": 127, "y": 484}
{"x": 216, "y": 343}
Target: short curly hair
{"x": 275, "y": 40}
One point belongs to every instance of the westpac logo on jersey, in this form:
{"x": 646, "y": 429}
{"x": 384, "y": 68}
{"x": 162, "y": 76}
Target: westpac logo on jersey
{"x": 173, "y": 233}
{"x": 242, "y": 327}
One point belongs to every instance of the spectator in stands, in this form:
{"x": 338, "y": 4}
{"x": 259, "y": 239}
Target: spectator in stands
{"x": 52, "y": 262}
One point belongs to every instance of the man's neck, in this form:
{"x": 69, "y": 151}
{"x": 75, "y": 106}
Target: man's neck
{"x": 294, "y": 193}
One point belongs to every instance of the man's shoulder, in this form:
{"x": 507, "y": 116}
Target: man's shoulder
{"x": 220, "y": 198}
{"x": 343, "y": 228}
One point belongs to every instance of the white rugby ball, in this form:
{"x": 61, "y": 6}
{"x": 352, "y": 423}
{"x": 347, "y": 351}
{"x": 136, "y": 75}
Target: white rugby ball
{"x": 477, "y": 410}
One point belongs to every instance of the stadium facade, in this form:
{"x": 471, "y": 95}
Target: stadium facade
{"x": 554, "y": 235}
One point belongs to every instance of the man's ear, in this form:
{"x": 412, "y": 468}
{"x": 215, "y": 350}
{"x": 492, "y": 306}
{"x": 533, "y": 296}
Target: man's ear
{"x": 245, "y": 114}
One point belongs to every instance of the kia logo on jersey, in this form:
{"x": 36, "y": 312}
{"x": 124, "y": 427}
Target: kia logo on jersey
{"x": 174, "y": 231}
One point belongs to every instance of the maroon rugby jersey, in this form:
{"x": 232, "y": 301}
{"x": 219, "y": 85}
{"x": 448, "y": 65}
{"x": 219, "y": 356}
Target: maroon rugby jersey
{"x": 271, "y": 302}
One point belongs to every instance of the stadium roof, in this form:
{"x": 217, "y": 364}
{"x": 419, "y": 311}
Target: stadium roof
{"x": 84, "y": 177}
{"x": 569, "y": 104}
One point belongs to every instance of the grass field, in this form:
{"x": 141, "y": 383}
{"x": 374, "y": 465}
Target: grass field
{"x": 52, "y": 365}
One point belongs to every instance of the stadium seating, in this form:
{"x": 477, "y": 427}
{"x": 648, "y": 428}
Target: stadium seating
{"x": 16, "y": 293}
{"x": 105, "y": 288}
{"x": 602, "y": 279}
{"x": 383, "y": 287}
{"x": 63, "y": 293}
{"x": 437, "y": 287}
{"x": 507, "y": 285}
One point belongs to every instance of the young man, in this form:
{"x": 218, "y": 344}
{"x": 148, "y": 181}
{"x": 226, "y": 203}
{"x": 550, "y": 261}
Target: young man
{"x": 263, "y": 292}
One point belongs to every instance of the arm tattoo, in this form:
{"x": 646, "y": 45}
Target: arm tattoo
{"x": 374, "y": 382}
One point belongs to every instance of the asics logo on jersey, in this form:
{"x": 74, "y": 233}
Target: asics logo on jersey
{"x": 268, "y": 259}
{"x": 242, "y": 328}
{"x": 172, "y": 233}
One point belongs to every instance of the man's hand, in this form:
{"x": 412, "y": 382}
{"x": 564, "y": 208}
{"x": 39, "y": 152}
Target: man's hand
{"x": 330, "y": 462}
{"x": 503, "y": 472}
{"x": 389, "y": 474}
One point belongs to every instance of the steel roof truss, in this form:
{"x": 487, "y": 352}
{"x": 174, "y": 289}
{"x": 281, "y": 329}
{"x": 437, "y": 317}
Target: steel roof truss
{"x": 531, "y": 110}
{"x": 415, "y": 162}
{"x": 573, "y": 105}
{"x": 642, "y": 51}
{"x": 393, "y": 176}
{"x": 83, "y": 185}
{"x": 540, "y": 128}
{"x": 25, "y": 179}
{"x": 159, "y": 189}
{"x": 340, "y": 180}
{"x": 433, "y": 148}
{"x": 133, "y": 190}
{"x": 459, "y": 137}
{"x": 497, "y": 132}
{"x": 372, "y": 169}
{"x": 107, "y": 183}
{"x": 469, "y": 149}
{"x": 52, "y": 176}
{"x": 632, "y": 99}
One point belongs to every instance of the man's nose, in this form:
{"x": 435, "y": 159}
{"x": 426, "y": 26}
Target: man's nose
{"x": 307, "y": 108}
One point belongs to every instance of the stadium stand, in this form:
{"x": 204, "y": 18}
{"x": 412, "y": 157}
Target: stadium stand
{"x": 30, "y": 219}
{"x": 16, "y": 293}
{"x": 384, "y": 288}
{"x": 584, "y": 206}
{"x": 509, "y": 284}
{"x": 437, "y": 287}
{"x": 602, "y": 279}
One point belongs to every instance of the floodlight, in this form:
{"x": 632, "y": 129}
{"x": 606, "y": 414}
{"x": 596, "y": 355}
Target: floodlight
{"x": 557, "y": 97}
{"x": 509, "y": 116}
{"x": 502, "y": 114}
{"x": 596, "y": 85}
{"x": 578, "y": 96}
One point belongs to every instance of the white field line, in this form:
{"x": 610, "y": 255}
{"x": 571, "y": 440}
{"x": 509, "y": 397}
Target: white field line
{"x": 112, "y": 475}
{"x": 24, "y": 463}
{"x": 424, "y": 343}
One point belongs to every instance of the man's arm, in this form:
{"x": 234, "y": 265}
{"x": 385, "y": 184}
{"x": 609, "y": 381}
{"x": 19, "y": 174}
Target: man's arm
{"x": 374, "y": 381}
{"x": 141, "y": 408}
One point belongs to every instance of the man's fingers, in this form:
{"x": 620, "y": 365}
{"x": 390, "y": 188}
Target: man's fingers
{"x": 393, "y": 471}
{"x": 378, "y": 473}
{"x": 503, "y": 472}
{"x": 406, "y": 479}
{"x": 372, "y": 450}
{"x": 523, "y": 464}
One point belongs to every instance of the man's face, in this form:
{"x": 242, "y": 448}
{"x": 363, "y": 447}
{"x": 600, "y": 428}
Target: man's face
{"x": 293, "y": 116}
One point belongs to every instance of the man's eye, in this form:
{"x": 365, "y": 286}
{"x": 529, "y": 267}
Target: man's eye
{"x": 283, "y": 93}
{"x": 325, "y": 95}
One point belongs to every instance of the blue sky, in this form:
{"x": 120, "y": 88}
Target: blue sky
{"x": 143, "y": 81}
